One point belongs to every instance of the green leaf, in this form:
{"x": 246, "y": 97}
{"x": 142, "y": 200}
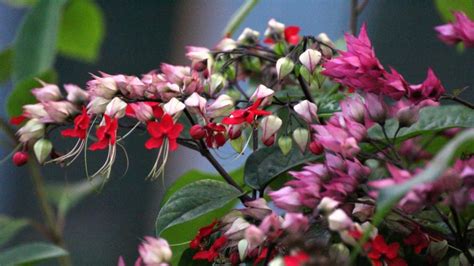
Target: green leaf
{"x": 265, "y": 164}
{"x": 389, "y": 196}
{"x": 21, "y": 93}
{"x": 6, "y": 64}
{"x": 9, "y": 227}
{"x": 81, "y": 30}
{"x": 35, "y": 44}
{"x": 19, "y": 3}
{"x": 194, "y": 200}
{"x": 445, "y": 8}
{"x": 180, "y": 235}
{"x": 66, "y": 196}
{"x": 432, "y": 119}
{"x": 30, "y": 253}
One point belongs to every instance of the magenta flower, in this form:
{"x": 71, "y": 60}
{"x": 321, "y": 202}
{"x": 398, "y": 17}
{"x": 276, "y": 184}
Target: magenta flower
{"x": 461, "y": 30}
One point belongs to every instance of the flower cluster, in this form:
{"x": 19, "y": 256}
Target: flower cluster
{"x": 461, "y": 30}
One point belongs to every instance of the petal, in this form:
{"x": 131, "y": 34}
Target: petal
{"x": 99, "y": 145}
{"x": 175, "y": 131}
{"x": 166, "y": 123}
{"x": 154, "y": 129}
{"x": 153, "y": 143}
{"x": 173, "y": 144}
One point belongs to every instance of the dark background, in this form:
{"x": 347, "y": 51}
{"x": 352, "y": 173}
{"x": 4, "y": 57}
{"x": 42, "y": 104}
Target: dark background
{"x": 141, "y": 35}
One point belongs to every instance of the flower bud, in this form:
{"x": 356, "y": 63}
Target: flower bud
{"x": 226, "y": 44}
{"x": 287, "y": 198}
{"x": 284, "y": 66}
{"x": 237, "y": 229}
{"x": 234, "y": 131}
{"x": 307, "y": 110}
{"x": 363, "y": 211}
{"x": 270, "y": 125}
{"x": 75, "y": 94}
{"x": 222, "y": 106}
{"x": 407, "y": 116}
{"x": 285, "y": 144}
{"x": 33, "y": 129}
{"x": 274, "y": 28}
{"x": 301, "y": 137}
{"x": 353, "y": 108}
{"x": 155, "y": 251}
{"x": 105, "y": 87}
{"x": 262, "y": 92}
{"x": 257, "y": 209}
{"x": 49, "y": 92}
{"x": 310, "y": 59}
{"x": 338, "y": 220}
{"x": 59, "y": 111}
{"x": 327, "y": 205}
{"x": 42, "y": 149}
{"x": 116, "y": 108}
{"x": 197, "y": 132}
{"x": 327, "y": 44}
{"x": 216, "y": 83}
{"x": 36, "y": 111}
{"x": 376, "y": 108}
{"x": 143, "y": 112}
{"x": 97, "y": 105}
{"x": 20, "y": 158}
{"x": 295, "y": 223}
{"x": 248, "y": 36}
{"x": 174, "y": 106}
{"x": 254, "y": 236}
{"x": 316, "y": 148}
{"x": 196, "y": 103}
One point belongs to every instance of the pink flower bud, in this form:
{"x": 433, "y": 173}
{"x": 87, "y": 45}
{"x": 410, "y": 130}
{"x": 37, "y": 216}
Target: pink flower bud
{"x": 49, "y": 92}
{"x": 307, "y": 110}
{"x": 338, "y": 220}
{"x": 196, "y": 103}
{"x": 33, "y": 129}
{"x": 376, "y": 108}
{"x": 143, "y": 111}
{"x": 262, "y": 92}
{"x": 36, "y": 111}
{"x": 407, "y": 116}
{"x": 75, "y": 94}
{"x": 155, "y": 251}
{"x": 60, "y": 111}
{"x": 116, "y": 108}
{"x": 353, "y": 108}
{"x": 197, "y": 54}
{"x": 301, "y": 138}
{"x": 295, "y": 223}
{"x": 286, "y": 198}
{"x": 316, "y": 148}
{"x": 284, "y": 66}
{"x": 270, "y": 125}
{"x": 222, "y": 106}
{"x": 104, "y": 87}
{"x": 197, "y": 132}
{"x": 254, "y": 236}
{"x": 234, "y": 131}
{"x": 310, "y": 59}
{"x": 174, "y": 106}
{"x": 20, "y": 158}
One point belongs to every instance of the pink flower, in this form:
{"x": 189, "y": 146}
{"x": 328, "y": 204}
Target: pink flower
{"x": 431, "y": 89}
{"x": 295, "y": 223}
{"x": 461, "y": 30}
{"x": 49, "y": 92}
{"x": 286, "y": 198}
{"x": 155, "y": 251}
{"x": 395, "y": 85}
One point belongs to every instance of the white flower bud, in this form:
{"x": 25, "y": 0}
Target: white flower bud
{"x": 263, "y": 92}
{"x": 97, "y": 105}
{"x": 284, "y": 66}
{"x": 285, "y": 144}
{"x": 42, "y": 149}
{"x": 310, "y": 59}
{"x": 116, "y": 108}
{"x": 307, "y": 110}
{"x": 338, "y": 220}
{"x": 222, "y": 106}
{"x": 301, "y": 137}
{"x": 327, "y": 205}
{"x": 33, "y": 129}
{"x": 174, "y": 106}
{"x": 270, "y": 125}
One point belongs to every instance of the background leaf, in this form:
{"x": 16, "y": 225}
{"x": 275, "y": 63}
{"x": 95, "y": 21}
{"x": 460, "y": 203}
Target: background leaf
{"x": 30, "y": 253}
{"x": 9, "y": 227}
{"x": 5, "y": 64}
{"x": 21, "y": 93}
{"x": 265, "y": 164}
{"x": 81, "y": 30}
{"x": 35, "y": 44}
{"x": 445, "y": 8}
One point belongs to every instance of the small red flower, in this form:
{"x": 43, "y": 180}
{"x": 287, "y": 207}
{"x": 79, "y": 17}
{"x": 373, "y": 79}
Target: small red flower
{"x": 212, "y": 253}
{"x": 291, "y": 34}
{"x": 81, "y": 124}
{"x": 106, "y": 134}
{"x": 381, "y": 251}
{"x": 248, "y": 114}
{"x": 166, "y": 128}
{"x": 296, "y": 260}
{"x": 203, "y": 232}
{"x": 17, "y": 120}
{"x": 418, "y": 240}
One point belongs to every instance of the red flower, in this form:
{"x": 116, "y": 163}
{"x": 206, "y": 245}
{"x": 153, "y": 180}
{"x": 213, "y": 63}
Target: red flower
{"x": 418, "y": 240}
{"x": 212, "y": 253}
{"x": 17, "y": 120}
{"x": 245, "y": 115}
{"x": 203, "y": 232}
{"x": 296, "y": 260}
{"x": 380, "y": 250}
{"x": 81, "y": 124}
{"x": 106, "y": 134}
{"x": 166, "y": 128}
{"x": 291, "y": 34}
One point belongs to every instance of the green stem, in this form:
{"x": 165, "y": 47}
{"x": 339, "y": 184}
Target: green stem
{"x": 238, "y": 17}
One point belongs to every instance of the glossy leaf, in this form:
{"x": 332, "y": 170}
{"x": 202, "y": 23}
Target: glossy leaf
{"x": 81, "y": 30}
{"x": 35, "y": 44}
{"x": 5, "y": 64}
{"x": 194, "y": 200}
{"x": 445, "y": 8}
{"x": 388, "y": 197}
{"x": 21, "y": 93}
{"x": 30, "y": 253}
{"x": 9, "y": 227}
{"x": 432, "y": 119}
{"x": 265, "y": 164}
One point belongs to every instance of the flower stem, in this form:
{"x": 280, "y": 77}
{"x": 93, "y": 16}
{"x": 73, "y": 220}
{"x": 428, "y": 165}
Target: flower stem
{"x": 238, "y": 17}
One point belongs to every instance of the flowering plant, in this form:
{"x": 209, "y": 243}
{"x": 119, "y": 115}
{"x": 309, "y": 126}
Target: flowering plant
{"x": 349, "y": 162}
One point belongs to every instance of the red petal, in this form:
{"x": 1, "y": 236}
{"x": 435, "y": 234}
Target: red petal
{"x": 157, "y": 111}
{"x": 129, "y": 111}
{"x": 175, "y": 131}
{"x": 154, "y": 129}
{"x": 99, "y": 145}
{"x": 166, "y": 123}
{"x": 392, "y": 250}
{"x": 172, "y": 144}
{"x": 16, "y": 120}
{"x": 153, "y": 143}
{"x": 70, "y": 132}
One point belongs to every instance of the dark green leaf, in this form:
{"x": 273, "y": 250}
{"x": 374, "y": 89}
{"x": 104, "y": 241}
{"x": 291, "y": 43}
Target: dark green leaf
{"x": 35, "y": 44}
{"x": 446, "y": 7}
{"x": 9, "y": 227}
{"x": 21, "y": 94}
{"x": 389, "y": 196}
{"x": 66, "y": 196}
{"x": 432, "y": 119}
{"x": 82, "y": 30}
{"x": 194, "y": 200}
{"x": 30, "y": 253}
{"x": 5, "y": 64}
{"x": 184, "y": 232}
{"x": 265, "y": 164}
